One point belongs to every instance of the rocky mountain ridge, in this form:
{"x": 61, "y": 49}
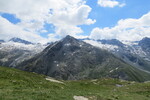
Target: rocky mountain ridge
{"x": 13, "y": 52}
{"x": 18, "y": 40}
{"x": 132, "y": 53}
{"x": 73, "y": 59}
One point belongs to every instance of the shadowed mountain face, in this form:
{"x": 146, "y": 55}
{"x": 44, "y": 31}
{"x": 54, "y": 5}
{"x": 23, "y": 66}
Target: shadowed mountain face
{"x": 20, "y": 41}
{"x": 72, "y": 59}
{"x": 145, "y": 45}
{"x": 1, "y": 41}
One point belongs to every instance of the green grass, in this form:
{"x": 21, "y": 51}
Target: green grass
{"x": 20, "y": 85}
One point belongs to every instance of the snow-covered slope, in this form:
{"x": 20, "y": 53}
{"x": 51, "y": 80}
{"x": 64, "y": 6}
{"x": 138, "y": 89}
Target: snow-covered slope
{"x": 102, "y": 46}
{"x": 128, "y": 46}
{"x": 7, "y": 46}
{"x": 130, "y": 52}
{"x": 12, "y": 53}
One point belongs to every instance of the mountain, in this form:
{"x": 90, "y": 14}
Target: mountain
{"x": 56, "y": 60}
{"x": 112, "y": 42}
{"x": 145, "y": 45}
{"x": 13, "y": 53}
{"x": 72, "y": 59}
{"x": 2, "y": 41}
{"x": 131, "y": 52}
{"x": 20, "y": 40}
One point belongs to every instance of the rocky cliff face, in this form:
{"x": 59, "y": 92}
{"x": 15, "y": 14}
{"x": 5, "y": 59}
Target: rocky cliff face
{"x": 145, "y": 45}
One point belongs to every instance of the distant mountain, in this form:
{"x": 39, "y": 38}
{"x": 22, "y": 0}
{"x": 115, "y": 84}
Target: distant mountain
{"x": 72, "y": 59}
{"x": 20, "y": 40}
{"x": 106, "y": 41}
{"x": 145, "y": 45}
{"x": 2, "y": 41}
{"x": 145, "y": 42}
{"x": 132, "y": 53}
{"x": 112, "y": 42}
{"x": 13, "y": 53}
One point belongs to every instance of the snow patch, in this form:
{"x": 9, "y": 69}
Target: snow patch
{"x": 57, "y": 65}
{"x": 55, "y": 61}
{"x": 80, "y": 45}
{"x": 67, "y": 44}
{"x": 4, "y": 59}
{"x": 111, "y": 71}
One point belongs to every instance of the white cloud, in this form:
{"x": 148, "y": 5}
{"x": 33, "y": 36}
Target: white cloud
{"x": 127, "y": 29}
{"x": 110, "y": 3}
{"x": 64, "y": 30}
{"x": 67, "y": 20}
{"x": 52, "y": 37}
{"x": 98, "y": 33}
{"x": 65, "y": 15}
{"x": 9, "y": 30}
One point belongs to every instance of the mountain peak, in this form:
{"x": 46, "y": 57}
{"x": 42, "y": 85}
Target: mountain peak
{"x": 15, "y": 39}
{"x": 69, "y": 37}
{"x": 146, "y": 39}
{"x": 145, "y": 44}
{"x": 1, "y": 41}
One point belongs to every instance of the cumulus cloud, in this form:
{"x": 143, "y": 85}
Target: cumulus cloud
{"x": 98, "y": 33}
{"x": 110, "y": 3}
{"x": 67, "y": 20}
{"x": 65, "y": 15}
{"x": 9, "y": 30}
{"x": 126, "y": 29}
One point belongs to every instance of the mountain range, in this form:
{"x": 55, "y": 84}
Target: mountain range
{"x": 132, "y": 53}
{"x": 17, "y": 50}
{"x": 74, "y": 59}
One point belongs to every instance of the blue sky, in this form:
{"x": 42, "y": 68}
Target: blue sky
{"x": 108, "y": 17}
{"x": 12, "y": 18}
{"x": 104, "y": 16}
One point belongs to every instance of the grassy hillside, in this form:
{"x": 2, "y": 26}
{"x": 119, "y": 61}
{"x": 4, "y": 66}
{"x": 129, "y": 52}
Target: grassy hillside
{"x": 20, "y": 85}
